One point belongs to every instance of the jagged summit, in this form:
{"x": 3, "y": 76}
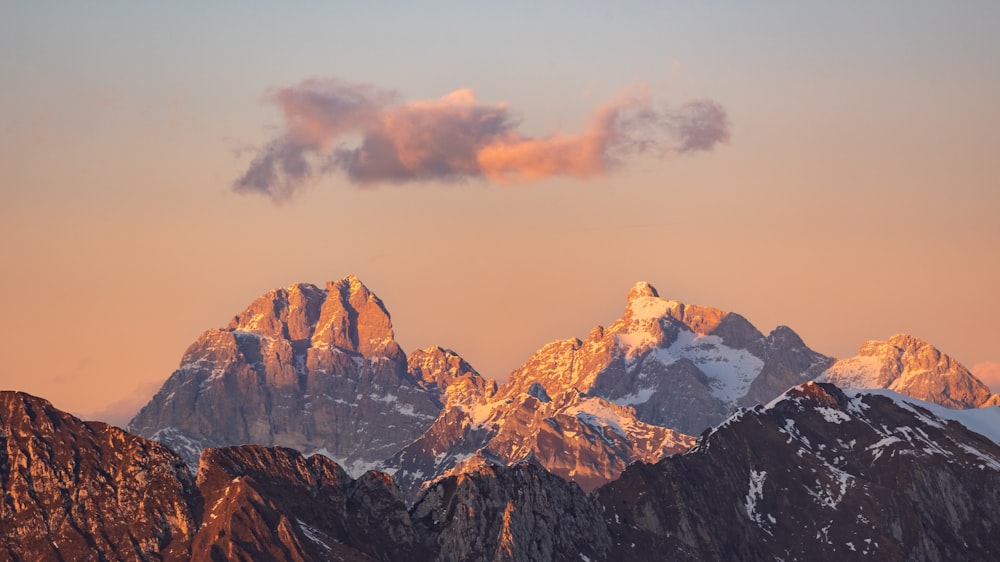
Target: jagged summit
{"x": 913, "y": 367}
{"x": 681, "y": 366}
{"x": 318, "y": 370}
{"x": 345, "y": 315}
{"x": 642, "y": 289}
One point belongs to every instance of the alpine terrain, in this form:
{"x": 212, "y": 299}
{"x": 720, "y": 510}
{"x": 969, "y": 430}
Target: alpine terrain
{"x": 817, "y": 474}
{"x": 319, "y": 371}
{"x": 915, "y": 368}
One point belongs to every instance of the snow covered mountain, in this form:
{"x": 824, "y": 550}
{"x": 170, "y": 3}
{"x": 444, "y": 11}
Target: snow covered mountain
{"x": 685, "y": 367}
{"x": 914, "y": 368}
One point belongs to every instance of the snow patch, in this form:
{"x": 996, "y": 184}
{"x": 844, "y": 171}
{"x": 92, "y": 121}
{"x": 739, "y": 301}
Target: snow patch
{"x": 858, "y": 372}
{"x": 833, "y": 415}
{"x": 641, "y": 396}
{"x": 730, "y": 371}
{"x": 984, "y": 421}
{"x": 313, "y": 535}
{"x": 754, "y": 495}
{"x": 878, "y": 448}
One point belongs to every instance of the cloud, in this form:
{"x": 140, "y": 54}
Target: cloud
{"x": 374, "y": 137}
{"x": 120, "y": 412}
{"x": 989, "y": 373}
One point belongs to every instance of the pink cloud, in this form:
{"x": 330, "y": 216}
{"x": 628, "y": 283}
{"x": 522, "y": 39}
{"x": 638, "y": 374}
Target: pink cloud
{"x": 989, "y": 373}
{"x": 121, "y": 411}
{"x": 456, "y": 137}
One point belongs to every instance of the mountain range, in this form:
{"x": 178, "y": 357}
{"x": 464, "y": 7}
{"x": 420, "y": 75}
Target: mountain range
{"x": 302, "y": 431}
{"x": 319, "y": 371}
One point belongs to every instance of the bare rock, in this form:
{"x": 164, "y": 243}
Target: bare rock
{"x": 314, "y": 369}
{"x": 912, "y": 367}
{"x": 75, "y": 490}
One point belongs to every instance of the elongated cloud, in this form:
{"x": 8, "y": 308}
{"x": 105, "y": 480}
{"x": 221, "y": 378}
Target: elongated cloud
{"x": 374, "y": 137}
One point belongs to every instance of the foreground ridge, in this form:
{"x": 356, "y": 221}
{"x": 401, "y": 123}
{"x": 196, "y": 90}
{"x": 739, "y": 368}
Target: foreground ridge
{"x": 817, "y": 474}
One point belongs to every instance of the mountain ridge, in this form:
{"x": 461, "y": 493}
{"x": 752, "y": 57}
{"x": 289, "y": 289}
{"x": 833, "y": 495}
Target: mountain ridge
{"x": 319, "y": 370}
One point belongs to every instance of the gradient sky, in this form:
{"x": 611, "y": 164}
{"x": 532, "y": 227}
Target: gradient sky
{"x": 857, "y": 196}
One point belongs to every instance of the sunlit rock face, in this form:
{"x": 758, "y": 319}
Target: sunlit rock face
{"x": 685, "y": 367}
{"x": 583, "y": 439}
{"x": 75, "y": 490}
{"x": 915, "y": 368}
{"x": 634, "y": 391}
{"x": 817, "y": 475}
{"x": 319, "y": 370}
{"x": 314, "y": 369}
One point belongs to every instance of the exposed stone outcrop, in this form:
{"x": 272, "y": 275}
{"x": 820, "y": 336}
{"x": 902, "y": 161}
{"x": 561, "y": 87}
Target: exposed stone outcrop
{"x": 915, "y": 368}
{"x": 75, "y": 490}
{"x": 681, "y": 366}
{"x": 314, "y": 369}
{"x": 584, "y": 439}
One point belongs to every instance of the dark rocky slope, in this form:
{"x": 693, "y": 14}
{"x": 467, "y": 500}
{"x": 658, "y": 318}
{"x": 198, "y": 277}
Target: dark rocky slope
{"x": 817, "y": 475}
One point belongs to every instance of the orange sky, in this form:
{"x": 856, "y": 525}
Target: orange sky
{"x": 856, "y": 198}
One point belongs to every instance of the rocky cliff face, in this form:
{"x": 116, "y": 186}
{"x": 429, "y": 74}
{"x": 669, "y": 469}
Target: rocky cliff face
{"x": 912, "y": 367}
{"x": 583, "y": 439}
{"x": 314, "y": 369}
{"x": 816, "y": 475}
{"x": 318, "y": 370}
{"x": 685, "y": 367}
{"x": 76, "y": 490}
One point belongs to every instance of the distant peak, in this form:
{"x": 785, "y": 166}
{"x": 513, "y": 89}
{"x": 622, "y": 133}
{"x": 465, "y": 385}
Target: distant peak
{"x": 642, "y": 289}
{"x": 351, "y": 283}
{"x": 907, "y": 341}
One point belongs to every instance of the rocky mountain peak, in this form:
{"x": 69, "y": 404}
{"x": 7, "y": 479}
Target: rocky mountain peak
{"x": 818, "y": 394}
{"x": 444, "y": 373}
{"x": 681, "y": 366}
{"x": 288, "y": 313}
{"x": 355, "y": 318}
{"x": 642, "y": 289}
{"x": 306, "y": 368}
{"x": 913, "y": 367}
{"x": 346, "y": 315}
